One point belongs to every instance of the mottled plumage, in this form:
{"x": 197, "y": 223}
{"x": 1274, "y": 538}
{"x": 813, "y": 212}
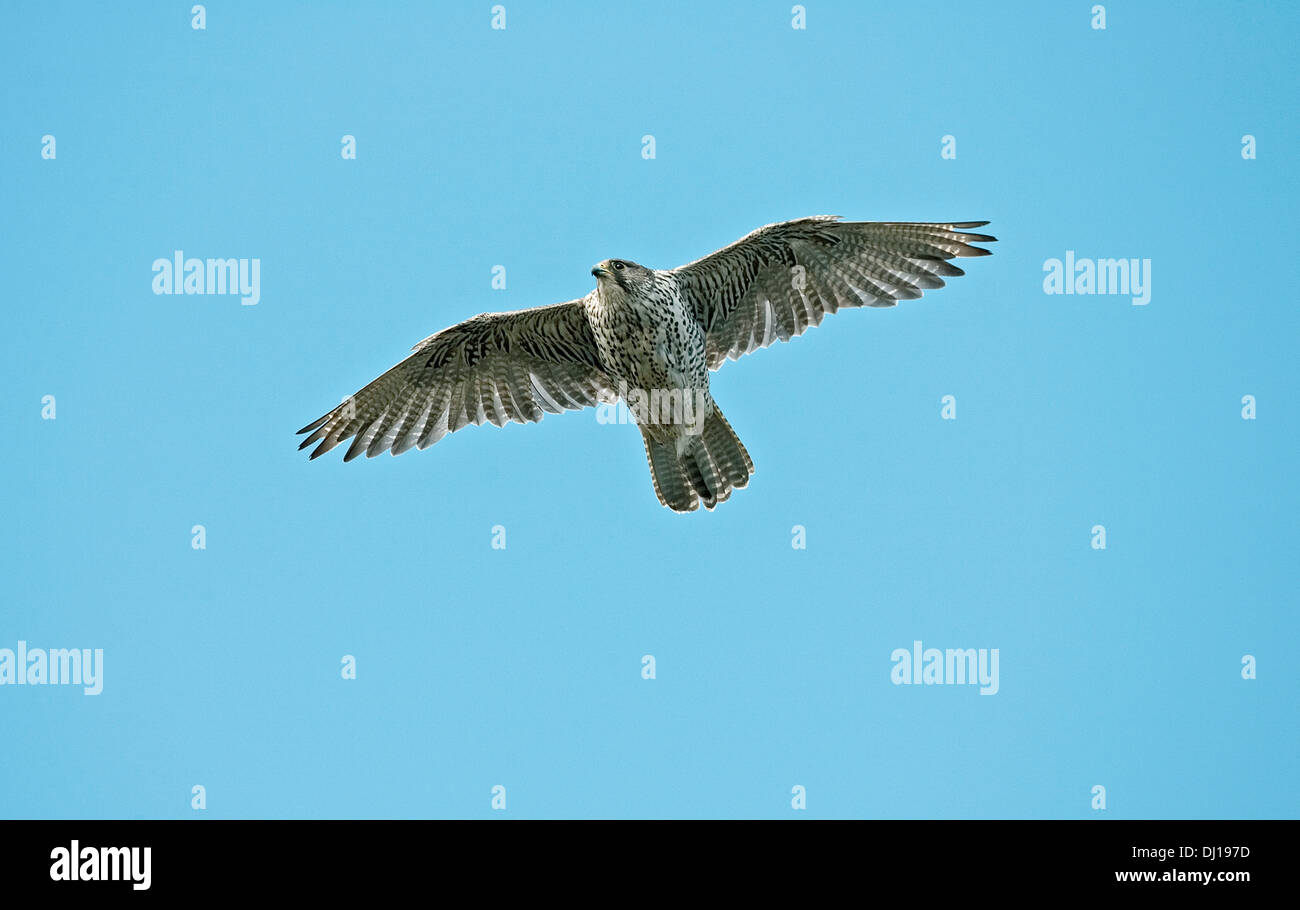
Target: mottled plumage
{"x": 651, "y": 336}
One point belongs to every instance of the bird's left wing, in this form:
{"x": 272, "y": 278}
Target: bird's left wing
{"x": 782, "y": 278}
{"x": 496, "y": 367}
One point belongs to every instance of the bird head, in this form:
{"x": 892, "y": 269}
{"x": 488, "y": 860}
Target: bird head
{"x": 622, "y": 273}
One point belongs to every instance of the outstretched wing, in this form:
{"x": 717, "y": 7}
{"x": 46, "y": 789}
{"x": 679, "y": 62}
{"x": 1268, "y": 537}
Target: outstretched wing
{"x": 777, "y": 281}
{"x": 496, "y": 367}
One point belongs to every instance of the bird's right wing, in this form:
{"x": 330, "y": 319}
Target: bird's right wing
{"x": 772, "y": 284}
{"x": 496, "y": 367}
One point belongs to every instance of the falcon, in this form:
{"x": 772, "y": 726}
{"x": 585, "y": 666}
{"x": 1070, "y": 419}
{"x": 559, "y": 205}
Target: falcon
{"x": 653, "y": 335}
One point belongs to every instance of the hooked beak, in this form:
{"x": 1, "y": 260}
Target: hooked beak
{"x": 599, "y": 271}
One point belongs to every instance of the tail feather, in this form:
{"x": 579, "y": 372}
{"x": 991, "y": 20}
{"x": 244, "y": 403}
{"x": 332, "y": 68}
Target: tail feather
{"x": 727, "y": 449}
{"x": 672, "y": 486}
{"x": 702, "y": 471}
{"x": 700, "y": 468}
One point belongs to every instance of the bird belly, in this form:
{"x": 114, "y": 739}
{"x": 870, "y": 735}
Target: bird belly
{"x": 671, "y": 397}
{"x": 655, "y": 352}
{"x": 665, "y": 394}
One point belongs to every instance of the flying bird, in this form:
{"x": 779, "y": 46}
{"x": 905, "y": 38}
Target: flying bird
{"x": 650, "y": 337}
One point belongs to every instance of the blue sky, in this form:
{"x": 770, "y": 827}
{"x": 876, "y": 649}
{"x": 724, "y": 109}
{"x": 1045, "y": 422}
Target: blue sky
{"x": 521, "y": 667}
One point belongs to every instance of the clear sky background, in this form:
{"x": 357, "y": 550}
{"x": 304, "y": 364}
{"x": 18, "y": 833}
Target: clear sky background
{"x": 521, "y": 667}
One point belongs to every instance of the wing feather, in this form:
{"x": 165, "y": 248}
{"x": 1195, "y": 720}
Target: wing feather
{"x": 495, "y": 368}
{"x": 781, "y": 279}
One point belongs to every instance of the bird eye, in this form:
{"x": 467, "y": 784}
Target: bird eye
{"x": 618, "y": 266}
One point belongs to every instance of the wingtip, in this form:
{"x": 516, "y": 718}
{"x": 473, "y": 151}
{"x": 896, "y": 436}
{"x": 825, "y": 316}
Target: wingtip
{"x": 314, "y": 424}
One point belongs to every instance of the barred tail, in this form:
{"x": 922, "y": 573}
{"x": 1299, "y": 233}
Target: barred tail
{"x": 698, "y": 468}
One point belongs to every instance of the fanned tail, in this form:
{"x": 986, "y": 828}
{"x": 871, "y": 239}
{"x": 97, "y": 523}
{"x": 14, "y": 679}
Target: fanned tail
{"x": 698, "y": 468}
